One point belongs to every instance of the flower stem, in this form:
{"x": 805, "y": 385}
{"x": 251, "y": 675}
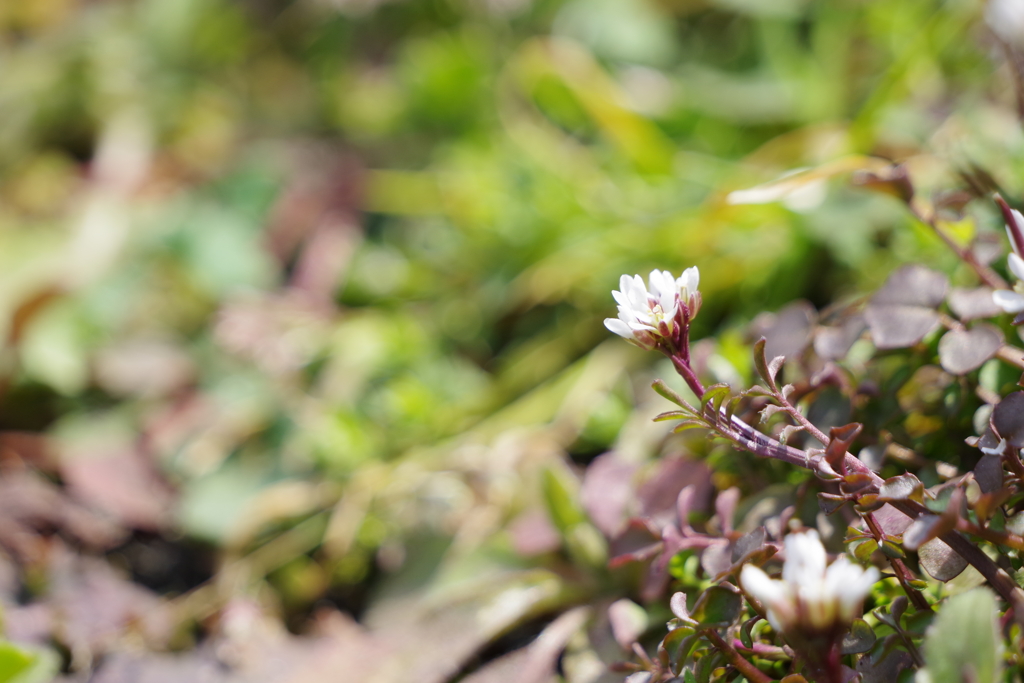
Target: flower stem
{"x": 1000, "y": 581}
{"x": 749, "y": 671}
{"x": 1004, "y": 538}
{"x": 984, "y": 273}
{"x": 689, "y": 376}
{"x": 898, "y": 568}
{"x": 801, "y": 419}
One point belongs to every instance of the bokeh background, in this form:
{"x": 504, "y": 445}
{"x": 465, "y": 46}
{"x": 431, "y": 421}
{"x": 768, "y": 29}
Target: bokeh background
{"x": 303, "y": 374}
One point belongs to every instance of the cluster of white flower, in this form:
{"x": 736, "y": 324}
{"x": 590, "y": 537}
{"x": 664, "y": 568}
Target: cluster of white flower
{"x": 1012, "y": 301}
{"x": 649, "y": 315}
{"x": 810, "y": 598}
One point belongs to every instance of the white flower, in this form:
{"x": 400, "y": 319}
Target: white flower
{"x": 810, "y": 598}
{"x": 1012, "y": 301}
{"x": 1006, "y": 19}
{"x": 648, "y": 314}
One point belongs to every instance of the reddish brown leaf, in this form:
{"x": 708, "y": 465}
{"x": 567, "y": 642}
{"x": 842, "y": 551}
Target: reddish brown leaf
{"x": 121, "y": 482}
{"x": 961, "y": 351}
{"x": 940, "y": 561}
{"x": 607, "y": 492}
{"x": 1008, "y": 419}
{"x": 969, "y": 304}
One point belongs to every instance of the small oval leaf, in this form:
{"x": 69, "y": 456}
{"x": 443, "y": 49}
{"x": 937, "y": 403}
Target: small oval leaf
{"x": 903, "y": 487}
{"x": 925, "y": 528}
{"x": 940, "y": 561}
{"x": 1008, "y": 418}
{"x": 860, "y": 638}
{"x": 717, "y": 606}
{"x": 965, "y": 637}
{"x": 969, "y": 304}
{"x": 962, "y": 351}
{"x": 897, "y": 327}
{"x": 678, "y": 606}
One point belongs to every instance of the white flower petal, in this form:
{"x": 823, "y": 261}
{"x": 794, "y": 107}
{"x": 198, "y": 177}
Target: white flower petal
{"x": 848, "y": 583}
{"x": 636, "y": 293}
{"x": 618, "y": 327}
{"x": 805, "y": 558}
{"x": 1009, "y": 301}
{"x": 661, "y": 281}
{"x": 1016, "y": 264}
{"x": 663, "y": 288}
{"x": 636, "y": 319}
{"x": 767, "y": 591}
{"x": 640, "y": 326}
{"x": 688, "y": 281}
{"x": 819, "y": 607}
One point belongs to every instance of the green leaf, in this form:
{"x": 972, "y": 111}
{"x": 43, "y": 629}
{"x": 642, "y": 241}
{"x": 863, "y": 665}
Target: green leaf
{"x": 745, "y": 636}
{"x": 730, "y": 408}
{"x": 714, "y": 396}
{"x": 677, "y": 645}
{"x": 829, "y": 502}
{"x": 717, "y": 606}
{"x": 860, "y": 638}
{"x": 561, "y": 493}
{"x": 672, "y": 415}
{"x": 761, "y": 363}
{"x": 13, "y": 662}
{"x": 675, "y": 637}
{"x": 890, "y": 549}
{"x": 898, "y": 607}
{"x": 868, "y": 503}
{"x": 689, "y": 424}
{"x": 883, "y": 616}
{"x": 863, "y": 550}
{"x": 706, "y": 665}
{"x": 903, "y": 487}
{"x": 22, "y": 665}
{"x": 965, "y": 638}
{"x": 212, "y": 505}
{"x": 663, "y": 390}
{"x": 686, "y": 648}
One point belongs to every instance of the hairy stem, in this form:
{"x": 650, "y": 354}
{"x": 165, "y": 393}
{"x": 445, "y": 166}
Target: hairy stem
{"x": 1011, "y": 354}
{"x": 1004, "y": 538}
{"x": 898, "y": 567}
{"x": 801, "y": 419}
{"x": 689, "y": 376}
{"x": 984, "y": 273}
{"x": 1000, "y": 581}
